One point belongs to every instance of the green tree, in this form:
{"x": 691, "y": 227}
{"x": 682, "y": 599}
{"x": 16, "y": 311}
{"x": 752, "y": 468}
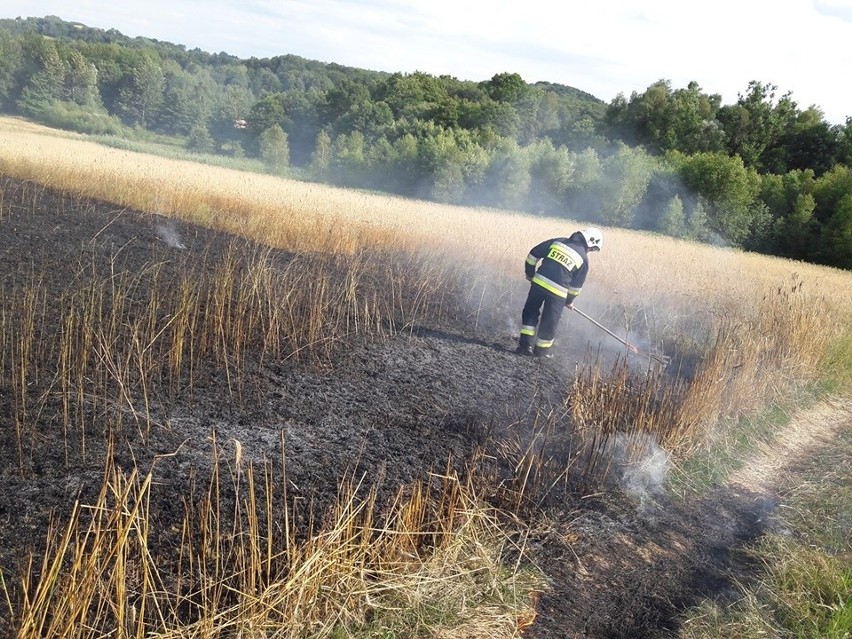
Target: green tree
{"x": 47, "y": 75}
{"x": 580, "y": 198}
{"x": 830, "y": 189}
{"x": 662, "y": 119}
{"x": 230, "y": 113}
{"x": 414, "y": 96}
{"x": 538, "y": 113}
{"x": 321, "y": 157}
{"x": 344, "y": 107}
{"x": 507, "y": 179}
{"x": 728, "y": 188}
{"x": 406, "y": 170}
{"x": 449, "y": 184}
{"x": 300, "y": 123}
{"x": 622, "y": 185}
{"x": 199, "y": 139}
{"x": 502, "y": 118}
{"x": 755, "y": 124}
{"x": 11, "y": 61}
{"x": 844, "y": 134}
{"x": 265, "y": 113}
{"x": 798, "y": 230}
{"x": 349, "y": 159}
{"x": 782, "y": 196}
{"x": 274, "y": 149}
{"x": 187, "y": 100}
{"x": 696, "y": 224}
{"x": 692, "y": 120}
{"x": 808, "y": 143}
{"x": 81, "y": 80}
{"x": 142, "y": 93}
{"x": 115, "y": 68}
{"x": 836, "y": 244}
{"x": 506, "y": 87}
{"x": 551, "y": 172}
{"x": 673, "y": 219}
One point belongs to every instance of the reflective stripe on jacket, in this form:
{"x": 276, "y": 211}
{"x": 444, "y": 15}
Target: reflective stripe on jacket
{"x": 559, "y": 266}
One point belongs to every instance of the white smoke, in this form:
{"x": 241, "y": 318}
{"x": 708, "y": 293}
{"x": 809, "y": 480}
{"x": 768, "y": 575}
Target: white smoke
{"x": 168, "y": 234}
{"x": 641, "y": 464}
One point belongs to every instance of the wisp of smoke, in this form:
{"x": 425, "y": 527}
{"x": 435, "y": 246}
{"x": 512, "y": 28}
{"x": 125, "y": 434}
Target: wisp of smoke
{"x": 169, "y": 235}
{"x": 641, "y": 465}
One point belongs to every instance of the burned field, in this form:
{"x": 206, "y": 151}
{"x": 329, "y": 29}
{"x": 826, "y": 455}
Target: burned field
{"x": 133, "y": 343}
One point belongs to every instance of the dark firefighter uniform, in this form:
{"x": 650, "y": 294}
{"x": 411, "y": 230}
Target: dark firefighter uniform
{"x": 558, "y": 279}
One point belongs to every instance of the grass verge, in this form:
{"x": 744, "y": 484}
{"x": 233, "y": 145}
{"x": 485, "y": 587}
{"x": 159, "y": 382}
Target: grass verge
{"x": 805, "y": 590}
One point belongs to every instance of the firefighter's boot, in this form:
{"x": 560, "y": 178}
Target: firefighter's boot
{"x": 545, "y": 353}
{"x": 525, "y": 345}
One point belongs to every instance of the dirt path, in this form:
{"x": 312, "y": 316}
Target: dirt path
{"x": 621, "y": 568}
{"x": 810, "y": 428}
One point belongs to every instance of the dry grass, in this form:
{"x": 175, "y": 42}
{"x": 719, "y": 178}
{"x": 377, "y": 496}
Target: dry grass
{"x": 116, "y": 342}
{"x": 432, "y": 567}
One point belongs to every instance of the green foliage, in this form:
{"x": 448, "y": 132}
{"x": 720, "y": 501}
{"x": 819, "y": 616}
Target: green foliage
{"x": 697, "y": 228}
{"x": 10, "y": 62}
{"x": 321, "y": 157}
{"x": 45, "y": 83}
{"x": 506, "y": 87}
{"x": 728, "y": 188}
{"x": 673, "y": 219}
{"x": 199, "y": 139}
{"x": 830, "y": 189}
{"x": 266, "y": 113}
{"x": 836, "y": 244}
{"x": 507, "y": 179}
{"x": 665, "y": 120}
{"x": 348, "y": 158}
{"x": 449, "y": 183}
{"x": 188, "y": 100}
{"x": 809, "y": 143}
{"x": 80, "y": 82}
{"x": 622, "y": 185}
{"x": 756, "y": 123}
{"x": 142, "y": 93}
{"x": 551, "y": 173}
{"x": 274, "y": 149}
{"x": 73, "y": 117}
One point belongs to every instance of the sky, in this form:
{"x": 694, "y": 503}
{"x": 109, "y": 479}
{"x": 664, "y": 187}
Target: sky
{"x": 607, "y": 47}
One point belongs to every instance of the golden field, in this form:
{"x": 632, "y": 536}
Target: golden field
{"x": 304, "y": 216}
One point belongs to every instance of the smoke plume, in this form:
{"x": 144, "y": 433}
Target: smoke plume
{"x": 168, "y": 234}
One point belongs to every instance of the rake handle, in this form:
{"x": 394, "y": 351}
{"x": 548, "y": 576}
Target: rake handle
{"x": 662, "y": 360}
{"x": 605, "y": 329}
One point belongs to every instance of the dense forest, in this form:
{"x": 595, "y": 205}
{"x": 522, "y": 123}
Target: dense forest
{"x": 762, "y": 174}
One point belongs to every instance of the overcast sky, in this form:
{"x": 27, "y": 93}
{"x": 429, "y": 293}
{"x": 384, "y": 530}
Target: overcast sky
{"x": 605, "y": 47}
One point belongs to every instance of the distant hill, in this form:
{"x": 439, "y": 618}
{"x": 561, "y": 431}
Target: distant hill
{"x": 55, "y": 27}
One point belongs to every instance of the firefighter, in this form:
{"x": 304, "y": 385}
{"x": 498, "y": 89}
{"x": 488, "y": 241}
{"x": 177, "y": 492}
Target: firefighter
{"x": 556, "y": 270}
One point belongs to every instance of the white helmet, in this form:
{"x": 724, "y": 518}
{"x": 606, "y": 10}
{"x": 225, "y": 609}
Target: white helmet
{"x": 593, "y": 238}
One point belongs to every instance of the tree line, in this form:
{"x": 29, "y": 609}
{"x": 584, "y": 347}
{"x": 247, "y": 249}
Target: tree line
{"x": 762, "y": 174}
